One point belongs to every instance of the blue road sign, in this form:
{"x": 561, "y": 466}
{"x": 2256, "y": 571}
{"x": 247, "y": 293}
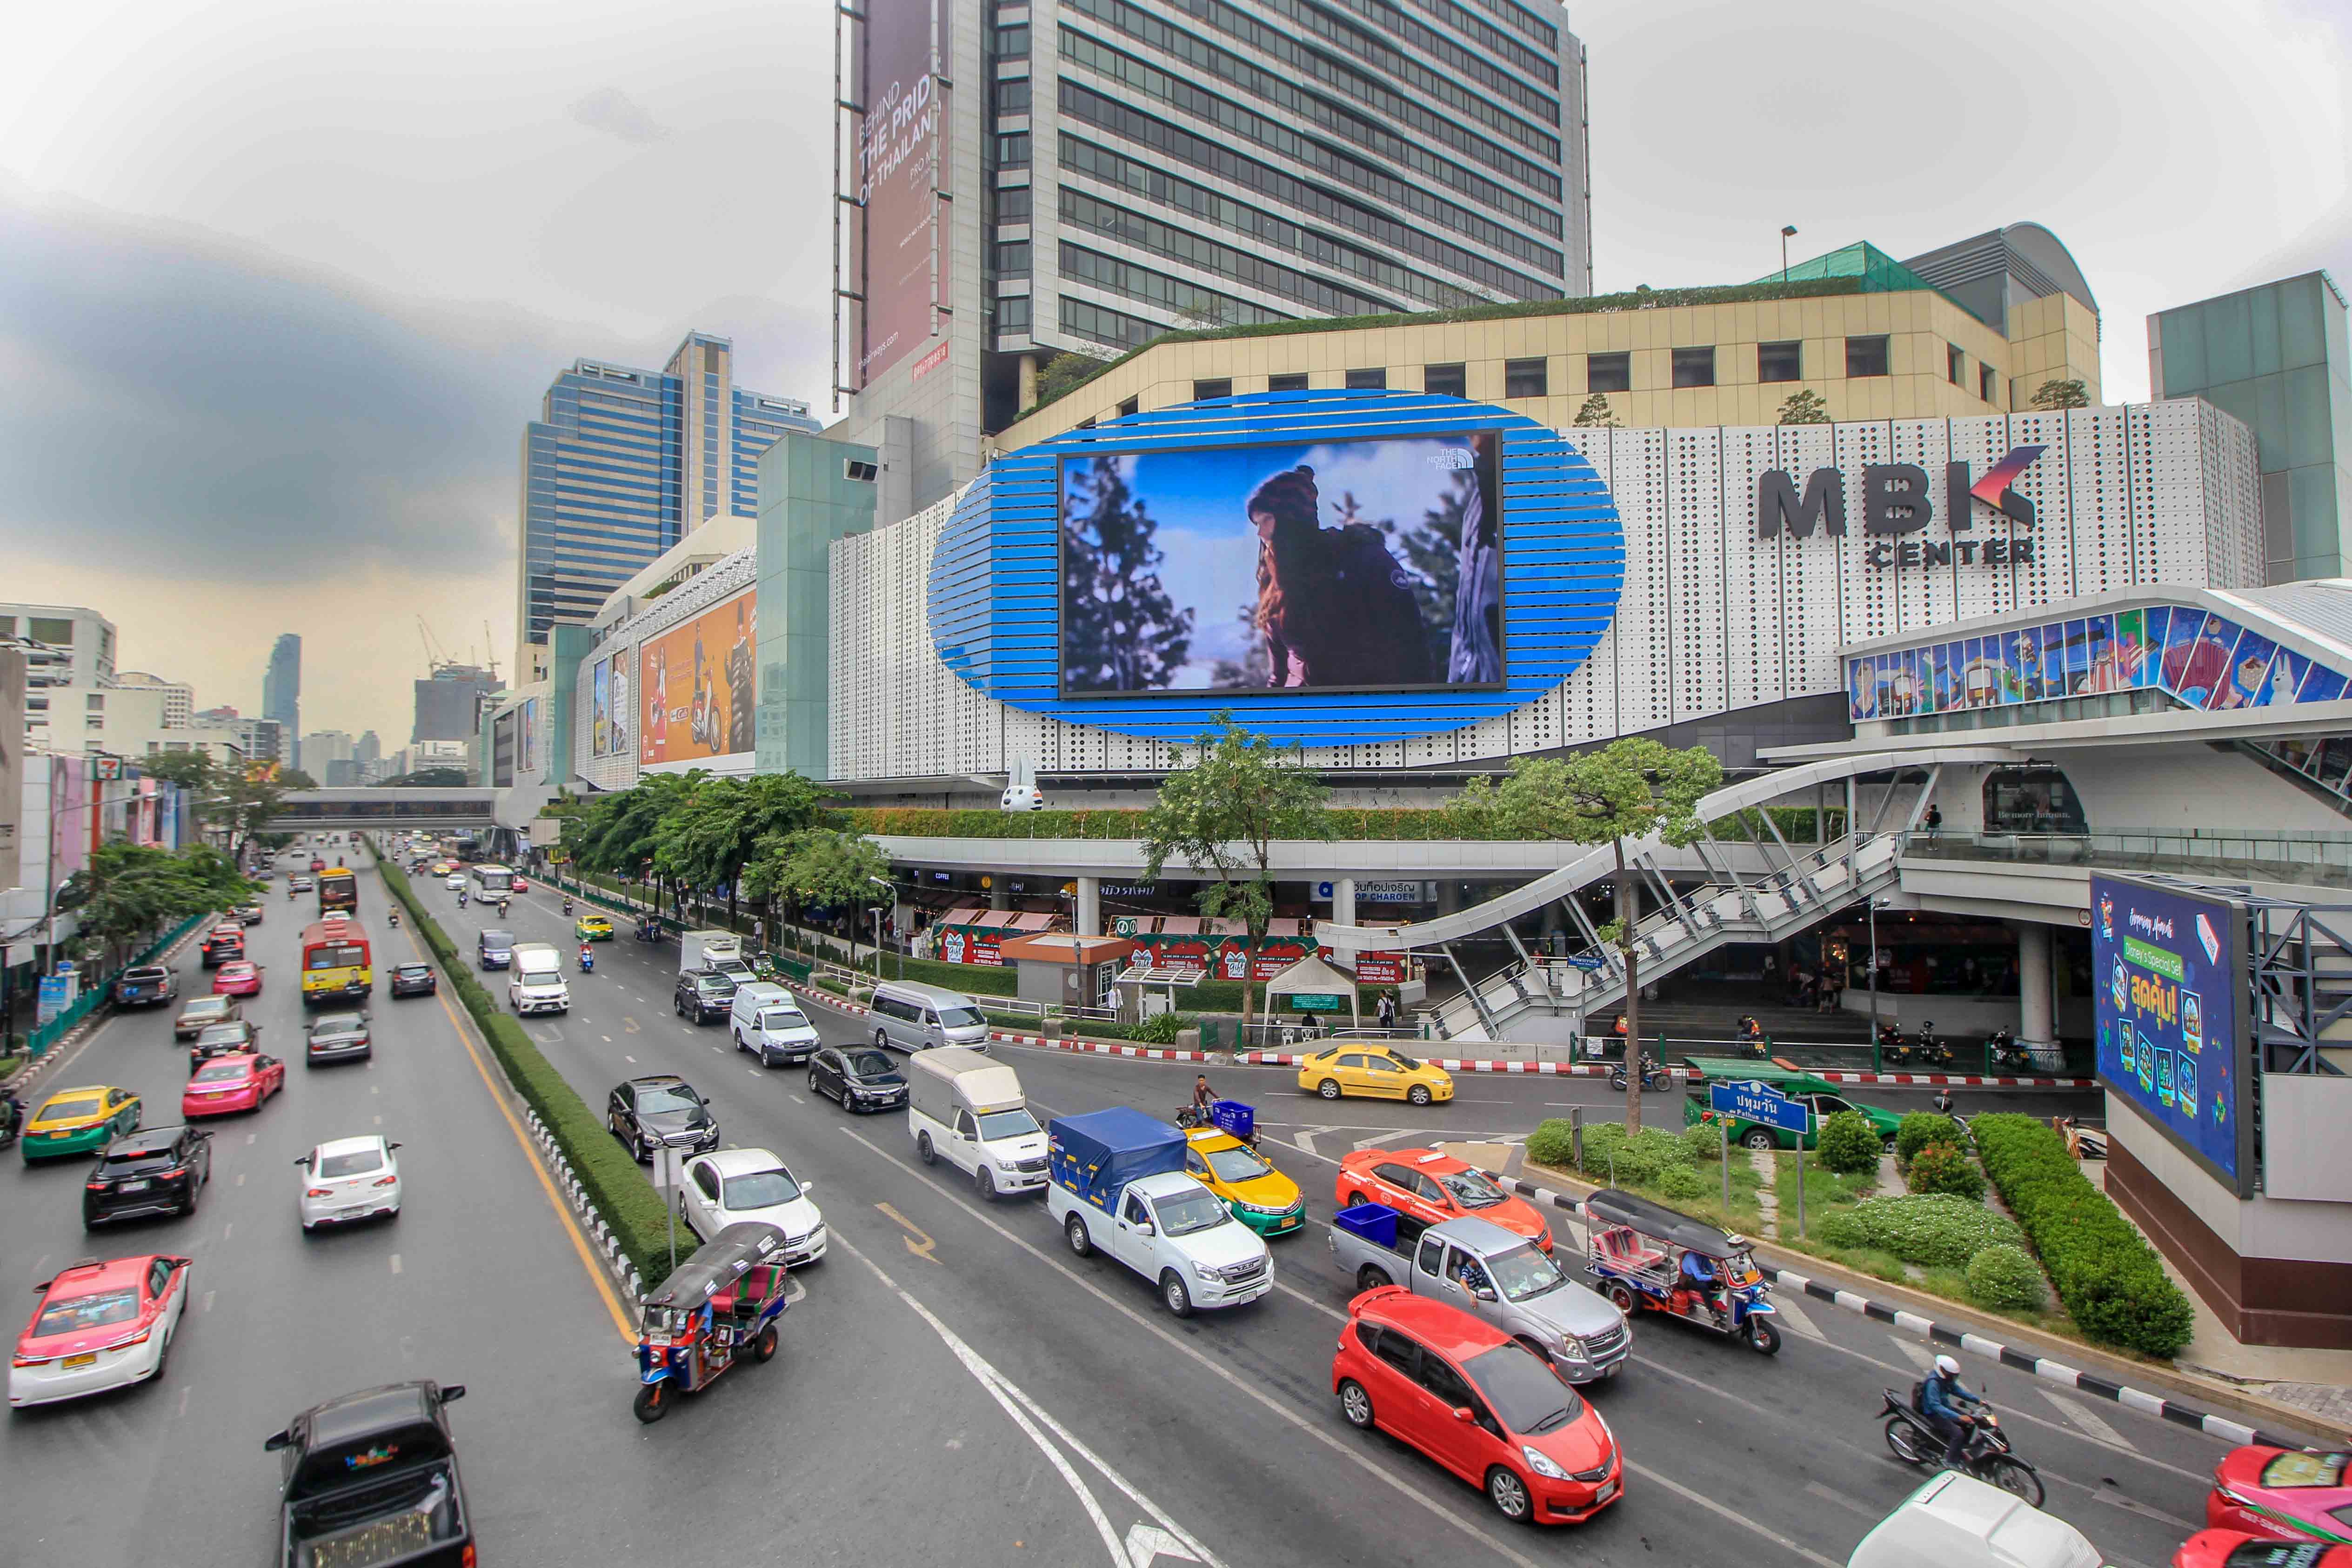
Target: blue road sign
{"x": 1761, "y": 1103}
{"x": 1586, "y": 961}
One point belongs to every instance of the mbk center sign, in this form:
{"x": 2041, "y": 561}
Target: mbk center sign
{"x": 1897, "y": 501}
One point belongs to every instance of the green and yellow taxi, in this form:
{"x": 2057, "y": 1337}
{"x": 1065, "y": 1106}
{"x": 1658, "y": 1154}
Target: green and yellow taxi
{"x": 1256, "y": 1194}
{"x": 592, "y": 928}
{"x": 79, "y": 1122}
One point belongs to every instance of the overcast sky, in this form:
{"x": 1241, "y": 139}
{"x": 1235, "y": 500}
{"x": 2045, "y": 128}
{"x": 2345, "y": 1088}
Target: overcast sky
{"x": 281, "y": 280}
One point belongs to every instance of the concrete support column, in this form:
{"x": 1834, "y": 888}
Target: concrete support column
{"x": 2037, "y": 1021}
{"x": 1343, "y": 912}
{"x": 998, "y": 898}
{"x": 1449, "y": 897}
{"x": 1028, "y": 381}
{"x": 1090, "y": 907}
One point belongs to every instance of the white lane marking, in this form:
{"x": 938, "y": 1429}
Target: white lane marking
{"x": 796, "y": 1099}
{"x": 208, "y": 1301}
{"x": 1305, "y": 1139}
{"x": 395, "y": 1262}
{"x": 628, "y": 1058}
{"x": 2092, "y": 1427}
{"x": 608, "y": 1039}
{"x": 248, "y": 1139}
{"x": 240, "y": 1179}
{"x": 1374, "y": 1142}
{"x": 379, "y": 1121}
{"x": 1785, "y": 1308}
{"x": 1730, "y": 1516}
{"x": 183, "y": 1398}
{"x": 1830, "y": 1494}
{"x": 371, "y": 1088}
{"x": 1917, "y": 1354}
{"x": 226, "y": 1228}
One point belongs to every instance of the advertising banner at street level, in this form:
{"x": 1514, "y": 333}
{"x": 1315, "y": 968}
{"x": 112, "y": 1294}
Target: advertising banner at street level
{"x": 2170, "y": 977}
{"x": 700, "y": 683}
{"x": 12, "y": 763}
{"x": 904, "y": 266}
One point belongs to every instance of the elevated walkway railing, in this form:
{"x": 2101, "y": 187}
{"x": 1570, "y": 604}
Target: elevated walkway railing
{"x": 2314, "y": 858}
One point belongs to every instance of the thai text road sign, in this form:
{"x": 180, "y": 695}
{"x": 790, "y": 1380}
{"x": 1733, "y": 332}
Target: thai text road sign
{"x": 1761, "y": 1103}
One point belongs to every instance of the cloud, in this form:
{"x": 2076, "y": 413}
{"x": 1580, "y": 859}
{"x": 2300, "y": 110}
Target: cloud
{"x": 615, "y": 113}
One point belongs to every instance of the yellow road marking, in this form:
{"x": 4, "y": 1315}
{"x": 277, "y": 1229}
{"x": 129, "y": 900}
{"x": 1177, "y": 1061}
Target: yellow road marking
{"x": 923, "y": 1252}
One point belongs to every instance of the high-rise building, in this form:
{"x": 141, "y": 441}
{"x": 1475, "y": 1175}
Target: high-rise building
{"x": 1101, "y": 171}
{"x": 322, "y": 747}
{"x": 179, "y": 699}
{"x": 262, "y": 739}
{"x": 85, "y": 635}
{"x": 369, "y": 751}
{"x": 621, "y": 465}
{"x": 446, "y": 704}
{"x": 281, "y": 693}
{"x": 2278, "y": 356}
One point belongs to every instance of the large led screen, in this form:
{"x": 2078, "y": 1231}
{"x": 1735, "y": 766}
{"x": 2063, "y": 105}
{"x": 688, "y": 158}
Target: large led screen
{"x": 2169, "y": 969}
{"x": 1369, "y": 564}
{"x": 699, "y": 685}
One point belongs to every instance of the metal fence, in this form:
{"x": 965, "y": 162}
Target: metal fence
{"x": 47, "y": 1035}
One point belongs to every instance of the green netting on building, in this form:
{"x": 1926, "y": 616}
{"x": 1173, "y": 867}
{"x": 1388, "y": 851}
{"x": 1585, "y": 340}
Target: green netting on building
{"x": 1877, "y": 272}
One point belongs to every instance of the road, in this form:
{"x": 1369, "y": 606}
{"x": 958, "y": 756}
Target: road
{"x": 1222, "y": 1428}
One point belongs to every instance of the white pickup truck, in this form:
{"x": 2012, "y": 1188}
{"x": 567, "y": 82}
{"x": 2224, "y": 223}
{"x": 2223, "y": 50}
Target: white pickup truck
{"x": 535, "y": 982}
{"x": 1118, "y": 1185}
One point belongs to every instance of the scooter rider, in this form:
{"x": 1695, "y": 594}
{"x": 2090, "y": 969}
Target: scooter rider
{"x": 1949, "y": 1406}
{"x": 567, "y": 903}
{"x": 587, "y": 959}
{"x": 393, "y": 915}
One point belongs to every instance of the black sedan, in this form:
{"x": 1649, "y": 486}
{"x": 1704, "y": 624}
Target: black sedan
{"x": 703, "y": 995}
{"x": 644, "y": 1112}
{"x": 155, "y": 1170}
{"x": 860, "y": 1077}
{"x": 372, "y": 1477}
{"x": 145, "y": 986}
{"x": 339, "y": 1037}
{"x": 414, "y": 980}
{"x": 223, "y": 1040}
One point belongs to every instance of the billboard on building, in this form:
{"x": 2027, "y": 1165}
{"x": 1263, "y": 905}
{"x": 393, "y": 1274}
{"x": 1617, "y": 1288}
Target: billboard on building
{"x": 12, "y": 763}
{"x": 699, "y": 689}
{"x": 1358, "y": 565}
{"x": 600, "y": 708}
{"x": 899, "y": 255}
{"x": 70, "y": 796}
{"x": 2170, "y": 973}
{"x": 527, "y": 740}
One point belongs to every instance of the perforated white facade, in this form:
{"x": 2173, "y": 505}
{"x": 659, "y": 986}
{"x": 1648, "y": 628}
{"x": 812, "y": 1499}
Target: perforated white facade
{"x": 1713, "y": 620}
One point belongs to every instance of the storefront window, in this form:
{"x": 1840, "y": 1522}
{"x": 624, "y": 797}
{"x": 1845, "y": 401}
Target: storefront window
{"x": 2032, "y": 800}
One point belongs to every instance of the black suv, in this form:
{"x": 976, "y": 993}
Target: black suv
{"x": 414, "y": 980}
{"x": 644, "y": 1112}
{"x": 495, "y": 949}
{"x": 703, "y": 995}
{"x": 155, "y": 1170}
{"x": 373, "y": 1475}
{"x": 861, "y": 1077}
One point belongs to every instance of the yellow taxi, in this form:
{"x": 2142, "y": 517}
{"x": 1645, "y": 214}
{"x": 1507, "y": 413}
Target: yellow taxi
{"x": 79, "y": 1122}
{"x": 1259, "y": 1195}
{"x": 592, "y": 928}
{"x": 443, "y": 868}
{"x": 1374, "y": 1072}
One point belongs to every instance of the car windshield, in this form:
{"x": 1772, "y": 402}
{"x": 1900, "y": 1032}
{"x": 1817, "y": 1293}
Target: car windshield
{"x": 714, "y": 983}
{"x": 1471, "y": 1189}
{"x": 332, "y": 1468}
{"x": 70, "y": 1105}
{"x": 1525, "y": 1395}
{"x": 222, "y": 1034}
{"x": 1523, "y": 1273}
{"x": 668, "y": 1097}
{"x": 781, "y": 1018}
{"x": 350, "y": 1162}
{"x": 412, "y": 971}
{"x": 205, "y": 1007}
{"x": 87, "y": 1312}
{"x": 1190, "y": 1211}
{"x": 760, "y": 1189}
{"x": 1007, "y": 1124}
{"x": 219, "y": 1073}
{"x": 1236, "y": 1164}
{"x": 961, "y": 1018}
{"x": 336, "y": 1023}
{"x": 498, "y": 938}
{"x": 870, "y": 1064}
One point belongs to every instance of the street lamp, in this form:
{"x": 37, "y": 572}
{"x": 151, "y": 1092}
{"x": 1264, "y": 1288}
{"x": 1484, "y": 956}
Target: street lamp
{"x": 672, "y": 1165}
{"x": 1875, "y": 1063}
{"x": 892, "y": 890}
{"x": 1787, "y": 231}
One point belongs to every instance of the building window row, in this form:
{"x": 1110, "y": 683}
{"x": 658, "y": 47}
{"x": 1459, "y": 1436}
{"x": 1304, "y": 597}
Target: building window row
{"x": 1381, "y": 56}
{"x": 1431, "y": 44}
{"x": 1087, "y": 211}
{"x": 1391, "y": 107}
{"x": 1543, "y": 64}
{"x": 1013, "y": 204}
{"x": 1012, "y": 315}
{"x": 1080, "y": 156}
{"x": 1013, "y": 95}
{"x": 1010, "y": 259}
{"x": 1101, "y": 324}
{"x": 1179, "y": 295}
{"x": 1010, "y": 43}
{"x": 1202, "y": 153}
{"x": 1282, "y": 140}
{"x": 1517, "y": 15}
{"x": 1012, "y": 149}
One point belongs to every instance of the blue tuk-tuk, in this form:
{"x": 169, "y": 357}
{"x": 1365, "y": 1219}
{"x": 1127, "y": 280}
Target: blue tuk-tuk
{"x": 719, "y": 1305}
{"x": 1646, "y": 1257}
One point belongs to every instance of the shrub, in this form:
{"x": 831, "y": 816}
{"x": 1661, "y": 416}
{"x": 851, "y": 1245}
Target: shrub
{"x": 2005, "y": 1277}
{"x": 1611, "y": 1155}
{"x": 1704, "y": 1142}
{"x": 1940, "y": 1167}
{"x": 1680, "y": 1183}
{"x": 1551, "y": 1144}
{"x": 1923, "y": 1229}
{"x": 1158, "y": 1029}
{"x": 1921, "y": 1128}
{"x": 2104, "y": 1271}
{"x": 1847, "y": 1144}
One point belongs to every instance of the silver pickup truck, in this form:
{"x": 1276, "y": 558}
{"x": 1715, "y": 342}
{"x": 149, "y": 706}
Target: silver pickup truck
{"x": 1510, "y": 1284}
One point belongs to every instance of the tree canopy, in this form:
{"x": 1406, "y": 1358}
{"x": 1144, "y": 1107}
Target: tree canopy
{"x": 1596, "y": 415}
{"x": 1806, "y": 407}
{"x": 129, "y": 892}
{"x": 2058, "y": 394}
{"x": 822, "y": 866}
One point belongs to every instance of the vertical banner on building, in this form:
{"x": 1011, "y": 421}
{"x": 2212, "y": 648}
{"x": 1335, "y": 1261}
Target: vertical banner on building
{"x": 623, "y": 715}
{"x": 899, "y": 256}
{"x": 70, "y": 813}
{"x": 700, "y": 686}
{"x": 12, "y": 763}
{"x": 600, "y": 708}
{"x": 526, "y": 744}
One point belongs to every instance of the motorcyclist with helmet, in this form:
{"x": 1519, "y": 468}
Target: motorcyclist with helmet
{"x": 1949, "y": 1407}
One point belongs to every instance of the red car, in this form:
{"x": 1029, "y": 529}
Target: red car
{"x": 2236, "y": 1549}
{"x": 1479, "y": 1403}
{"x": 318, "y": 865}
{"x": 520, "y": 886}
{"x": 1430, "y": 1188}
{"x": 98, "y": 1326}
{"x": 237, "y": 979}
{"x": 2282, "y": 1494}
{"x": 237, "y": 1082}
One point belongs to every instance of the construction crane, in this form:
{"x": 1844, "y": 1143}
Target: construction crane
{"x": 433, "y": 657}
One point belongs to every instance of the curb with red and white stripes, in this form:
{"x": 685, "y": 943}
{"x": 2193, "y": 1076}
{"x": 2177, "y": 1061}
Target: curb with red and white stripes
{"x": 1451, "y": 1063}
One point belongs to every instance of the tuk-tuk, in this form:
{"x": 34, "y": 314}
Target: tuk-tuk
{"x": 720, "y": 1304}
{"x": 1645, "y": 1258}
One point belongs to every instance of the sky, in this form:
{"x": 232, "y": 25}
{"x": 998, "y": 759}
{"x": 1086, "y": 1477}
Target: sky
{"x": 282, "y": 281}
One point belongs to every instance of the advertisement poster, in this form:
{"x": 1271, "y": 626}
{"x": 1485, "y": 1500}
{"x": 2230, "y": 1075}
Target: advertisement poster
{"x": 600, "y": 708}
{"x": 619, "y": 740}
{"x": 11, "y": 762}
{"x": 959, "y": 947}
{"x": 700, "y": 683}
{"x": 2169, "y": 1007}
{"x": 70, "y": 793}
{"x": 529, "y": 760}
{"x": 897, "y": 143}
{"x": 1329, "y": 565}
{"x": 1380, "y": 968}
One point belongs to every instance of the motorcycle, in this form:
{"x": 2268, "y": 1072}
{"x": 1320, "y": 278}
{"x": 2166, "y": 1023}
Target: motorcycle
{"x": 587, "y": 959}
{"x": 2003, "y": 1054}
{"x": 1892, "y": 1048}
{"x": 393, "y": 916}
{"x": 1929, "y": 1050}
{"x": 1653, "y": 1075}
{"x": 1989, "y": 1457}
{"x": 1752, "y": 1040}
{"x": 567, "y": 906}
{"x": 12, "y": 1119}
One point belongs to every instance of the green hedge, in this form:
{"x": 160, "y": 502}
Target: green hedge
{"x": 2106, "y": 1274}
{"x": 1847, "y": 1144}
{"x": 1926, "y": 1230}
{"x": 1943, "y": 1167}
{"x": 2007, "y": 1279}
{"x": 615, "y": 1182}
{"x": 1609, "y": 1153}
{"x": 1921, "y": 1128}
{"x": 1406, "y": 823}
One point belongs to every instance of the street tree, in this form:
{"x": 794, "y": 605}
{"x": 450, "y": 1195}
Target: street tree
{"x": 1629, "y": 790}
{"x": 706, "y": 841}
{"x": 131, "y": 892}
{"x": 1596, "y": 414}
{"x": 1805, "y": 407}
{"x": 1222, "y": 815}
{"x": 2052, "y": 395}
{"x": 827, "y": 867}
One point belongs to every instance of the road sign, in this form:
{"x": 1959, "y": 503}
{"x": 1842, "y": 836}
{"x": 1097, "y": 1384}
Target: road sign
{"x": 1585, "y": 961}
{"x": 1761, "y": 1103}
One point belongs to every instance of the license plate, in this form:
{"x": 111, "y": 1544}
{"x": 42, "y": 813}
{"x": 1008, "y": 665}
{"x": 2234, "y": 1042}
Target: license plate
{"x": 1605, "y": 1493}
{"x": 75, "y": 1363}
{"x": 132, "y": 1187}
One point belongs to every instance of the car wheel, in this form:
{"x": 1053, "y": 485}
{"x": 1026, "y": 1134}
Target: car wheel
{"x": 881, "y": 1039}
{"x": 1081, "y": 1243}
{"x": 1621, "y": 1296}
{"x": 1354, "y": 1198}
{"x": 985, "y": 1180}
{"x": 162, "y": 1357}
{"x": 1370, "y": 1278}
{"x": 1757, "y": 1139}
{"x": 1762, "y": 1336}
{"x": 641, "y": 1151}
{"x": 1328, "y": 1089}
{"x": 1356, "y": 1404}
{"x": 1418, "y": 1095}
{"x": 1172, "y": 1292}
{"x": 923, "y": 1147}
{"x": 1507, "y": 1493}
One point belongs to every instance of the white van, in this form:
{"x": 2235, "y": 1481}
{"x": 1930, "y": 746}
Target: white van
{"x": 1959, "y": 1522}
{"x": 962, "y": 1105}
{"x": 535, "y": 981}
{"x": 766, "y": 1022}
{"x": 910, "y": 1017}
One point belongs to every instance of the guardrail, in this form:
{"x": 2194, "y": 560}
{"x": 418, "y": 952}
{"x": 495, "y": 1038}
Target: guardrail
{"x": 45, "y": 1036}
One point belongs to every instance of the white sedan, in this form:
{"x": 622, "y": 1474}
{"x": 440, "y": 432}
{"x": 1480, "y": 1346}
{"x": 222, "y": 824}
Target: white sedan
{"x": 455, "y": 882}
{"x": 350, "y": 1178}
{"x": 732, "y": 1185}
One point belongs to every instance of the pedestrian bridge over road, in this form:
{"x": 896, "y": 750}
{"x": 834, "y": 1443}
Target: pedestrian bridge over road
{"x": 315, "y": 810}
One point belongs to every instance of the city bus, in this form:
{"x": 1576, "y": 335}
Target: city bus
{"x": 339, "y": 889}
{"x": 491, "y": 881}
{"x": 335, "y": 961}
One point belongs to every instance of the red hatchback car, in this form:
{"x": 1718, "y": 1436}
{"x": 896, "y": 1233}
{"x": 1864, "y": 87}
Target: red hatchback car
{"x": 225, "y": 1083}
{"x": 2236, "y": 1549}
{"x": 2283, "y": 1494}
{"x": 98, "y": 1326}
{"x": 1431, "y": 1189}
{"x": 238, "y": 979}
{"x": 1479, "y": 1403}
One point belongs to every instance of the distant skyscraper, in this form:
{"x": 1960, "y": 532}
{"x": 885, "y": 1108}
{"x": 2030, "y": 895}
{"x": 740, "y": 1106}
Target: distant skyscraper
{"x": 281, "y": 693}
{"x": 369, "y": 751}
{"x": 447, "y": 704}
{"x": 621, "y": 465}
